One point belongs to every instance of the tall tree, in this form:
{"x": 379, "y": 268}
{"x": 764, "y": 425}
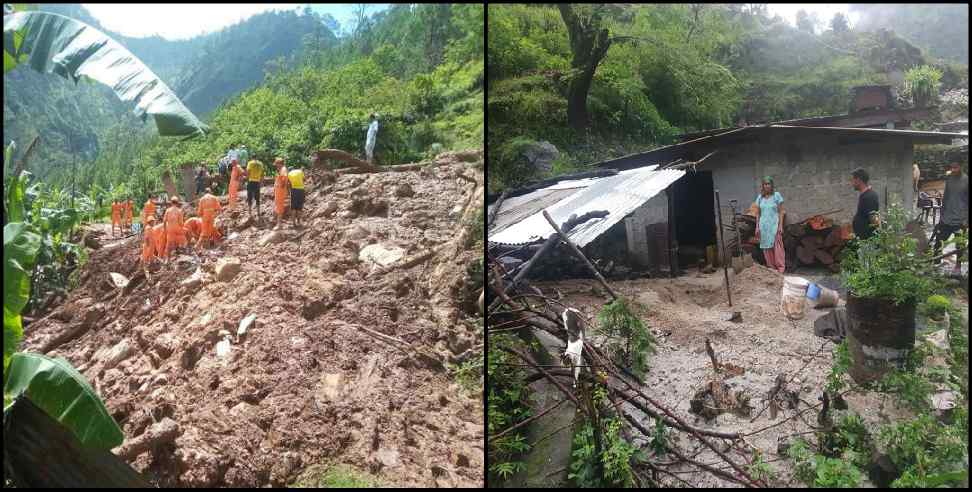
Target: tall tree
{"x": 805, "y": 21}
{"x": 589, "y": 43}
{"x": 839, "y": 23}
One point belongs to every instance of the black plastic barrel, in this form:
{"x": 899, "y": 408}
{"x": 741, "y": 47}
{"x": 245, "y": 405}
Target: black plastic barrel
{"x": 880, "y": 335}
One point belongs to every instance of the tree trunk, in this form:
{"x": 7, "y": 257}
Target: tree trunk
{"x": 589, "y": 44}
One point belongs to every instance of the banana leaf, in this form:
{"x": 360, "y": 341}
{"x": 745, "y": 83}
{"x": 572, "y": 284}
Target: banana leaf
{"x": 52, "y": 43}
{"x": 65, "y": 395}
{"x": 20, "y": 247}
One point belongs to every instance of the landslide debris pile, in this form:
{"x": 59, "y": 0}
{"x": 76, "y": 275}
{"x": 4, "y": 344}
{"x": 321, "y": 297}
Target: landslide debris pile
{"x": 313, "y": 378}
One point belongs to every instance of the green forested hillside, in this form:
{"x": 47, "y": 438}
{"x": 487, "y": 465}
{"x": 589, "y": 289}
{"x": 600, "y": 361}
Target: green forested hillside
{"x": 78, "y": 121}
{"x": 942, "y": 29}
{"x": 419, "y": 67}
{"x": 668, "y": 69}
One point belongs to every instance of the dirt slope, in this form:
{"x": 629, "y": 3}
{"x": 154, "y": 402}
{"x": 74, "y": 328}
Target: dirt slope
{"x": 305, "y": 384}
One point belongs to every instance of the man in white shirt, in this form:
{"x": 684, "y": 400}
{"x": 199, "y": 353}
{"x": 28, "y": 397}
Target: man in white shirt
{"x": 370, "y": 141}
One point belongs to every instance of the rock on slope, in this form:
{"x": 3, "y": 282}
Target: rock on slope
{"x": 306, "y": 383}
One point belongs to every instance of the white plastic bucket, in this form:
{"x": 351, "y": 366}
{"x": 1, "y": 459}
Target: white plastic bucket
{"x": 793, "y": 302}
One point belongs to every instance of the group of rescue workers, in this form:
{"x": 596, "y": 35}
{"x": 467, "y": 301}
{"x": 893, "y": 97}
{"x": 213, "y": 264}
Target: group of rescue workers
{"x": 175, "y": 231}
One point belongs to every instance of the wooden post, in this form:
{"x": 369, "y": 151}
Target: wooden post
{"x": 725, "y": 268}
{"x": 580, "y": 255}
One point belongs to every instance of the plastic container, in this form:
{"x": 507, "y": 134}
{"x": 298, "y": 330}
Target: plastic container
{"x": 793, "y": 302}
{"x": 819, "y": 296}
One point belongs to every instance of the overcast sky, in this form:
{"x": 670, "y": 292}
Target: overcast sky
{"x": 825, "y": 11}
{"x": 183, "y": 21}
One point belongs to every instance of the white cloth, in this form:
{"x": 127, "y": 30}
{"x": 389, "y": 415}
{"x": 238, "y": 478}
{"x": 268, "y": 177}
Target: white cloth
{"x": 370, "y": 141}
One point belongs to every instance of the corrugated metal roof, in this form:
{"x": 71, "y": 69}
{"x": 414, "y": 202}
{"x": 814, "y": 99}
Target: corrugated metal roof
{"x": 518, "y": 208}
{"x": 619, "y": 195}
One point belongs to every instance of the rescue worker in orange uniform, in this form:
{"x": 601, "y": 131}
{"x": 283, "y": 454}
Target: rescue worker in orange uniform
{"x": 281, "y": 189}
{"x": 193, "y": 228}
{"x": 157, "y": 234}
{"x": 129, "y": 211}
{"x": 148, "y": 243}
{"x": 236, "y": 175}
{"x": 175, "y": 232}
{"x": 147, "y": 211}
{"x": 115, "y": 216}
{"x": 209, "y": 207}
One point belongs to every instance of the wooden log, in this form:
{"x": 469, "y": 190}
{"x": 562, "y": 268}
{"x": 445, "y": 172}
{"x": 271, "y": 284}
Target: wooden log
{"x": 805, "y": 255}
{"x": 833, "y": 237}
{"x": 812, "y": 242}
{"x": 580, "y": 255}
{"x": 160, "y": 433}
{"x": 823, "y": 256}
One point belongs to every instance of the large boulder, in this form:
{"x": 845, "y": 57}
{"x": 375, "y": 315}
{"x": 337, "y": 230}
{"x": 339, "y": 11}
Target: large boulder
{"x": 227, "y": 269}
{"x": 381, "y": 255}
{"x": 540, "y": 155}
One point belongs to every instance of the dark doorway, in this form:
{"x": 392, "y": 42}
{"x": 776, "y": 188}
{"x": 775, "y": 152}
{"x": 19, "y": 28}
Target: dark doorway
{"x": 694, "y": 216}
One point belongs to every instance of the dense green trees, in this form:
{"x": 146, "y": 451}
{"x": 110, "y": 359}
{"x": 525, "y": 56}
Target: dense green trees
{"x": 668, "y": 69}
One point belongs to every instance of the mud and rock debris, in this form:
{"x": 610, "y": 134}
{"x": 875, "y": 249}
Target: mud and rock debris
{"x": 303, "y": 386}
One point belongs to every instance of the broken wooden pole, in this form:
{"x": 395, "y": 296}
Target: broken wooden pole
{"x": 547, "y": 246}
{"x": 725, "y": 266}
{"x": 580, "y": 255}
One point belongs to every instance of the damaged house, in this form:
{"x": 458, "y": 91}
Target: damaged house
{"x": 661, "y": 204}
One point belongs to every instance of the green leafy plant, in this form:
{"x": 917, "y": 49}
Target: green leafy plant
{"x": 837, "y": 379}
{"x": 630, "y": 341}
{"x": 821, "y": 471}
{"x": 508, "y": 405}
{"x": 887, "y": 265}
{"x": 922, "y": 84}
{"x": 759, "y": 469}
{"x": 936, "y": 305}
{"x": 927, "y": 451}
{"x": 616, "y": 457}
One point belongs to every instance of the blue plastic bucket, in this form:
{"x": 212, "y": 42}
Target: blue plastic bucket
{"x": 813, "y": 291}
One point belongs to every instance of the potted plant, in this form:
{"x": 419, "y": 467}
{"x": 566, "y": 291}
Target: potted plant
{"x": 885, "y": 276}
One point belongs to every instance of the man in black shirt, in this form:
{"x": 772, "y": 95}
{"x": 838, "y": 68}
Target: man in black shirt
{"x": 866, "y": 217}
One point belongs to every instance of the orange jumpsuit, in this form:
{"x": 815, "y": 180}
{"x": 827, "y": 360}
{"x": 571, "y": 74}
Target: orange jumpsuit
{"x": 208, "y": 208}
{"x": 175, "y": 232}
{"x": 234, "y": 184}
{"x": 193, "y": 228}
{"x": 148, "y": 248}
{"x": 158, "y": 239}
{"x": 280, "y": 191}
{"x": 115, "y": 216}
{"x": 147, "y": 211}
{"x": 128, "y": 214}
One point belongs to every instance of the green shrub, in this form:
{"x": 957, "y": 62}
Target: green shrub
{"x": 616, "y": 456}
{"x": 630, "y": 342}
{"x": 508, "y": 402}
{"x": 887, "y": 265}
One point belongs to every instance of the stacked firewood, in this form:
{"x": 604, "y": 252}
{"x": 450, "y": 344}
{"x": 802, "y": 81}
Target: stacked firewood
{"x": 813, "y": 241}
{"x": 816, "y": 241}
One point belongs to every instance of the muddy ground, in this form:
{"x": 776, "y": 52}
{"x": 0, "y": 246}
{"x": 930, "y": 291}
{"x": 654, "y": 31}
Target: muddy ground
{"x": 683, "y": 312}
{"x": 304, "y": 385}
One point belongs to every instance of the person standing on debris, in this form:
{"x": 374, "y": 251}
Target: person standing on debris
{"x": 147, "y": 211}
{"x": 370, "y": 141}
{"x": 866, "y": 219}
{"x": 175, "y": 232}
{"x": 209, "y": 207}
{"x": 243, "y": 154}
{"x": 281, "y": 185}
{"x": 254, "y": 174}
{"x": 769, "y": 233}
{"x": 116, "y": 216}
{"x": 148, "y": 242}
{"x": 236, "y": 174}
{"x": 955, "y": 209}
{"x": 157, "y": 233}
{"x": 202, "y": 179}
{"x": 296, "y": 178}
{"x": 129, "y": 206}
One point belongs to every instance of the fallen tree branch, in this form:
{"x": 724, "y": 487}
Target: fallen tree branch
{"x": 579, "y": 254}
{"x": 496, "y": 208}
{"x": 527, "y": 421}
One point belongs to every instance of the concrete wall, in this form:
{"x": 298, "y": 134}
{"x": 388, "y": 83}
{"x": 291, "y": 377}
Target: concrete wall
{"x": 651, "y": 212}
{"x": 812, "y": 172}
